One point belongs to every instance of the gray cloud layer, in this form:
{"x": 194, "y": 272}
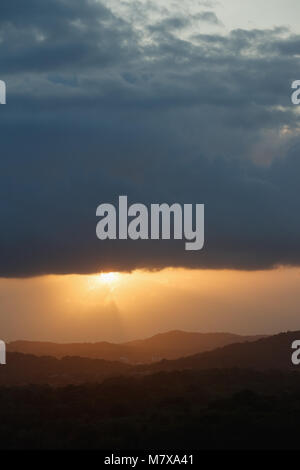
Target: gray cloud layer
{"x": 98, "y": 108}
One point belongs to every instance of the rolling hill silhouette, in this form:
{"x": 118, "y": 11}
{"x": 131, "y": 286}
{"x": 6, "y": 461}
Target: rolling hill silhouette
{"x": 273, "y": 352}
{"x": 270, "y": 353}
{"x": 170, "y": 345}
{"x": 24, "y": 369}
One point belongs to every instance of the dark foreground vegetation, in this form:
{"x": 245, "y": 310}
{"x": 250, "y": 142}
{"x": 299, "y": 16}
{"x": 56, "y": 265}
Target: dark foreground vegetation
{"x": 212, "y": 409}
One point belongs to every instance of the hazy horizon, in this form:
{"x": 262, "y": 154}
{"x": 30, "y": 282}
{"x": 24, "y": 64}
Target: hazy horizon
{"x": 119, "y": 307}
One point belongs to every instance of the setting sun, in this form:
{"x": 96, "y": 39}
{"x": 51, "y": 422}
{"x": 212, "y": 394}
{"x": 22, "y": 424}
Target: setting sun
{"x": 109, "y": 278}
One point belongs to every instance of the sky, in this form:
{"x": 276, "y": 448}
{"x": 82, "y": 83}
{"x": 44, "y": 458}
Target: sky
{"x": 120, "y": 307}
{"x": 232, "y": 14}
{"x": 185, "y": 102}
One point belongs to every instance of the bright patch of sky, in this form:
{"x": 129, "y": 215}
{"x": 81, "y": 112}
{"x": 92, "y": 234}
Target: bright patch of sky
{"x": 232, "y": 14}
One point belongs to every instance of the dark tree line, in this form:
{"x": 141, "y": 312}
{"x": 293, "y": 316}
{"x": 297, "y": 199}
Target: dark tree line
{"x": 212, "y": 409}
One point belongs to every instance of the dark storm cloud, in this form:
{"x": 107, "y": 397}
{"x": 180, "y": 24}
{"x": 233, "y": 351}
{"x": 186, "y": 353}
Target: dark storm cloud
{"x": 97, "y": 108}
{"x": 60, "y": 35}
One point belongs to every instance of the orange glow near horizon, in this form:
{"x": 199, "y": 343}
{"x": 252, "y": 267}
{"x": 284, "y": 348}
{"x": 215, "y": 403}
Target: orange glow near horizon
{"x": 119, "y": 306}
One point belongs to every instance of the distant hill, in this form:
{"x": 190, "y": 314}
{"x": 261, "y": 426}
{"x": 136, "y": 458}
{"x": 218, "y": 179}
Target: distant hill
{"x": 272, "y": 353}
{"x": 25, "y": 369}
{"x": 267, "y": 353}
{"x": 170, "y": 345}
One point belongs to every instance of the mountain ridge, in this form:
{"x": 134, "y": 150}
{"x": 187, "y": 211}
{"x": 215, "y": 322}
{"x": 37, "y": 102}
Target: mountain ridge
{"x": 169, "y": 345}
{"x": 272, "y": 352}
{"x": 265, "y": 354}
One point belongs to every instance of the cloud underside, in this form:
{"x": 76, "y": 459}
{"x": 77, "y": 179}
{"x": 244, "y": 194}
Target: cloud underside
{"x": 98, "y": 107}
